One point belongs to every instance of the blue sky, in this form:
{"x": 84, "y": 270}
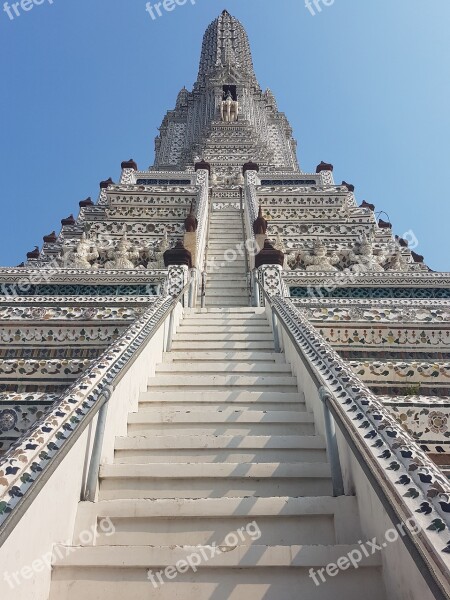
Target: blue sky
{"x": 364, "y": 83}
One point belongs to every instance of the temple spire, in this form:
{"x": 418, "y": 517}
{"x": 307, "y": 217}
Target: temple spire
{"x": 226, "y": 44}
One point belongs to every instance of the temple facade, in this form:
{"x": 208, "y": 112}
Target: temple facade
{"x": 219, "y": 343}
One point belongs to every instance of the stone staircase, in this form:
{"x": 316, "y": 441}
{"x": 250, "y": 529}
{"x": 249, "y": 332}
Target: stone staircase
{"x": 222, "y": 451}
{"x": 226, "y": 266}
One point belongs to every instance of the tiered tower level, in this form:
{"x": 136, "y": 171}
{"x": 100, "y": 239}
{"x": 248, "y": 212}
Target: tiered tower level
{"x": 197, "y": 127}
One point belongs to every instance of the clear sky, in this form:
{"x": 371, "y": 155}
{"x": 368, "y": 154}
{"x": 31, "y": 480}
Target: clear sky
{"x": 364, "y": 83}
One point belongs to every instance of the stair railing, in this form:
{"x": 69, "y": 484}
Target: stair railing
{"x": 203, "y": 217}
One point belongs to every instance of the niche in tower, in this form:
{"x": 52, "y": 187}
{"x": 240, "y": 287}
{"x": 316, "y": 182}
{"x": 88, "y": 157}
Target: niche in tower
{"x": 230, "y": 89}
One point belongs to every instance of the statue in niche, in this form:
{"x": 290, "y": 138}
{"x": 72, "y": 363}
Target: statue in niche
{"x": 229, "y": 109}
{"x": 123, "y": 255}
{"x": 86, "y": 252}
{"x": 157, "y": 256}
{"x": 363, "y": 260}
{"x": 279, "y": 244}
{"x": 191, "y": 223}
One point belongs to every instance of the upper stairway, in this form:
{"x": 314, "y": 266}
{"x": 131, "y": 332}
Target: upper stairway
{"x": 226, "y": 266}
{"x": 221, "y": 453}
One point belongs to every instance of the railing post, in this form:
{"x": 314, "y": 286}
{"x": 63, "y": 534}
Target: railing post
{"x": 276, "y": 336}
{"x": 192, "y": 287}
{"x": 332, "y": 446}
{"x": 170, "y": 332}
{"x": 256, "y": 289}
{"x": 88, "y": 494}
{"x": 203, "y": 289}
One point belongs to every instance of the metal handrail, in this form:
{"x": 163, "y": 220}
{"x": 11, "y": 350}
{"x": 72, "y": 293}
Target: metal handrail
{"x": 206, "y": 251}
{"x": 105, "y": 389}
{"x": 332, "y": 409}
{"x": 245, "y": 249}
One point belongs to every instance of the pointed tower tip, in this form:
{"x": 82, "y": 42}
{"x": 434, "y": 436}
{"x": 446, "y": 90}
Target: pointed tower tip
{"x": 225, "y": 44}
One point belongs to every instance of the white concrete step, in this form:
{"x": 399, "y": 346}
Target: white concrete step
{"x": 103, "y": 582}
{"x": 186, "y": 415}
{"x": 171, "y": 416}
{"x": 281, "y": 521}
{"x": 244, "y": 557}
{"x": 221, "y": 442}
{"x": 222, "y": 345}
{"x": 220, "y": 265}
{"x": 232, "y": 270}
{"x": 221, "y": 286}
{"x": 214, "y": 327}
{"x": 217, "y": 232}
{"x": 217, "y": 251}
{"x": 223, "y": 367}
{"x": 210, "y": 404}
{"x": 219, "y": 293}
{"x": 222, "y": 313}
{"x": 232, "y": 215}
{"x": 280, "y": 382}
{"x": 245, "y": 312}
{"x": 207, "y": 448}
{"x": 218, "y": 427}
{"x": 215, "y": 480}
{"x": 221, "y": 260}
{"x": 230, "y": 276}
{"x": 253, "y": 357}
{"x": 227, "y": 337}
{"x": 229, "y": 396}
{"x": 214, "y": 301}
{"x": 220, "y": 322}
{"x": 230, "y": 240}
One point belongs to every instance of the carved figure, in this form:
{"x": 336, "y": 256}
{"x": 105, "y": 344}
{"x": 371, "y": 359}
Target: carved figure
{"x": 85, "y": 253}
{"x": 123, "y": 255}
{"x": 363, "y": 259}
{"x": 398, "y": 263}
{"x": 157, "y": 257}
{"x": 229, "y": 109}
{"x": 319, "y": 260}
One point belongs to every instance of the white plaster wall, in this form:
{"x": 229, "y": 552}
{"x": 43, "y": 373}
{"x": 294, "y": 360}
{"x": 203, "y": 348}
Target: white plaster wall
{"x": 51, "y": 517}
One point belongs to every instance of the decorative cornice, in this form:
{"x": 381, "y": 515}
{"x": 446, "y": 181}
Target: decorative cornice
{"x": 386, "y": 279}
{"x": 343, "y": 312}
{"x": 77, "y": 300}
{"x": 45, "y": 276}
{"x": 44, "y": 314}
